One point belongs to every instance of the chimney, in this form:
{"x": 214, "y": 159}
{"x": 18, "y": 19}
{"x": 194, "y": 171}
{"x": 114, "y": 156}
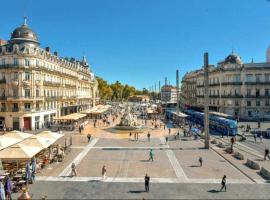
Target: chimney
{"x": 47, "y": 49}
{"x": 55, "y": 53}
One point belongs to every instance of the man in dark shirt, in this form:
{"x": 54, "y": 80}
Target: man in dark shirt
{"x": 146, "y": 182}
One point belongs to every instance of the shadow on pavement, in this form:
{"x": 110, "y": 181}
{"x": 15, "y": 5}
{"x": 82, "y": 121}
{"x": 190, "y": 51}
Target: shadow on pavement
{"x": 213, "y": 191}
{"x": 136, "y": 191}
{"x": 145, "y": 160}
{"x": 194, "y": 166}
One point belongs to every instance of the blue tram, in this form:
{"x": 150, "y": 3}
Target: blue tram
{"x": 216, "y": 124}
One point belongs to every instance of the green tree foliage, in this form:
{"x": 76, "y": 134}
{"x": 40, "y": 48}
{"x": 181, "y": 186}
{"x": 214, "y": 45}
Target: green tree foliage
{"x": 118, "y": 92}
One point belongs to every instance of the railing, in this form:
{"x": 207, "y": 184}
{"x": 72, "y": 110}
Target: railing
{"x": 3, "y": 81}
{"x": 3, "y": 98}
{"x": 15, "y": 109}
{"x": 3, "y": 110}
{"x": 49, "y": 83}
{"x": 232, "y": 83}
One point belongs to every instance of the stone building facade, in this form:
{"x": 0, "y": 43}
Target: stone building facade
{"x": 235, "y": 88}
{"x": 37, "y": 85}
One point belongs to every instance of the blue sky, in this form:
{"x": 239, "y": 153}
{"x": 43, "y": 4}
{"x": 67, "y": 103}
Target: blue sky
{"x": 139, "y": 42}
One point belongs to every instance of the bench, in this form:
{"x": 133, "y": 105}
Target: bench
{"x": 265, "y": 173}
{"x": 252, "y": 164}
{"x": 239, "y": 156}
{"x": 221, "y": 145}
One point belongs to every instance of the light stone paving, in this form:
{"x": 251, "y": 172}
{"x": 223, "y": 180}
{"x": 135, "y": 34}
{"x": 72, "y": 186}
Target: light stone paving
{"x": 175, "y": 164}
{"x": 77, "y": 160}
{"x": 139, "y": 180}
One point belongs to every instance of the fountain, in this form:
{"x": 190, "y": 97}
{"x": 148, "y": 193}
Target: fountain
{"x": 128, "y": 122}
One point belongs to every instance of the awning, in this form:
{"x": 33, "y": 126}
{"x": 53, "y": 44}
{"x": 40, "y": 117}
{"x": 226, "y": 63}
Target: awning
{"x": 12, "y": 138}
{"x": 73, "y": 116}
{"x": 19, "y": 152}
{"x": 99, "y": 109}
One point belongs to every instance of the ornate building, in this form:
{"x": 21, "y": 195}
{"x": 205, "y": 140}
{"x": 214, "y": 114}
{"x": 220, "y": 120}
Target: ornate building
{"x": 236, "y": 88}
{"x": 37, "y": 85}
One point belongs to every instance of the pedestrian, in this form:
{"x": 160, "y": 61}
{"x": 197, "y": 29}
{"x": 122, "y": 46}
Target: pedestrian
{"x": 261, "y": 138}
{"x": 2, "y": 191}
{"x": 232, "y": 142}
{"x": 146, "y": 182}
{"x": 8, "y": 188}
{"x": 222, "y": 134}
{"x": 151, "y": 155}
{"x": 223, "y": 183}
{"x": 148, "y": 136}
{"x": 166, "y": 138}
{"x": 200, "y": 161}
{"x": 80, "y": 129}
{"x": 255, "y": 137}
{"x": 169, "y": 131}
{"x": 73, "y": 170}
{"x": 137, "y": 136}
{"x": 103, "y": 172}
{"x": 130, "y": 135}
{"x": 266, "y": 154}
{"x": 89, "y": 137}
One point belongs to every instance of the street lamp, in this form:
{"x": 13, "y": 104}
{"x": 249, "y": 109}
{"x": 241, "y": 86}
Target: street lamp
{"x": 206, "y": 101}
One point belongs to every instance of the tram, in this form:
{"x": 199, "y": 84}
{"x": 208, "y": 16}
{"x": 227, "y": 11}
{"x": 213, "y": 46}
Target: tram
{"x": 217, "y": 124}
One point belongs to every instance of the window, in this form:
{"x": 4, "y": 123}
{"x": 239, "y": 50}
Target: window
{"x": 248, "y": 92}
{"x": 26, "y": 62}
{"x": 266, "y": 92}
{"x": 37, "y": 63}
{"x": 248, "y": 103}
{"x": 27, "y": 106}
{"x": 26, "y": 76}
{"x": 237, "y": 78}
{"x": 257, "y": 92}
{"x": 37, "y": 107}
{"x": 15, "y": 93}
{"x": 236, "y": 103}
{"x": 258, "y": 103}
{"x": 249, "y": 78}
{"x": 267, "y": 77}
{"x": 266, "y": 102}
{"x": 15, "y": 61}
{"x": 249, "y": 113}
{"x": 27, "y": 93}
{"x": 37, "y": 93}
{"x": 258, "y": 78}
{"x": 15, "y": 76}
{"x": 3, "y": 61}
{"x": 15, "y": 107}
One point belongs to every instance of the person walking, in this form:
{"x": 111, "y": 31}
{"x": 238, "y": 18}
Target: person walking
{"x": 8, "y": 188}
{"x": 148, "y": 136}
{"x": 261, "y": 138}
{"x": 255, "y": 137}
{"x": 73, "y": 170}
{"x": 223, "y": 183}
{"x": 2, "y": 191}
{"x": 169, "y": 131}
{"x": 104, "y": 172}
{"x": 146, "y": 182}
{"x": 200, "y": 161}
{"x": 151, "y": 155}
{"x": 88, "y": 137}
{"x": 166, "y": 138}
{"x": 266, "y": 153}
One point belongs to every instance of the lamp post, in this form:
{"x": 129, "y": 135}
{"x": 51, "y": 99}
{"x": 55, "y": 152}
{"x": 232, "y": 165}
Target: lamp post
{"x": 206, "y": 101}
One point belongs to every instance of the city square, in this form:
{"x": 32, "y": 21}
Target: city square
{"x": 134, "y": 99}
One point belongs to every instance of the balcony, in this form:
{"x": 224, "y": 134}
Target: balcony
{"x": 232, "y": 83}
{"x": 3, "y": 98}
{"x": 53, "y": 84}
{"x": 3, "y": 109}
{"x": 70, "y": 86}
{"x": 3, "y": 81}
{"x": 22, "y": 98}
{"x": 232, "y": 96}
{"x": 27, "y": 109}
{"x": 14, "y": 109}
{"x": 214, "y": 84}
{"x": 200, "y": 86}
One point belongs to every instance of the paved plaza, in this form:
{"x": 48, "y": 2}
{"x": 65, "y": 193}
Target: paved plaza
{"x": 175, "y": 171}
